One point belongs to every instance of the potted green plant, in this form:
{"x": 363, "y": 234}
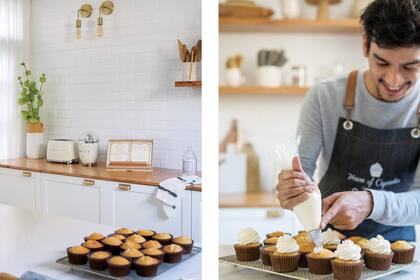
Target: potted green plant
{"x": 31, "y": 98}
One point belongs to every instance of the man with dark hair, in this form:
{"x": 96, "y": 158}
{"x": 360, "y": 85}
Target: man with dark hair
{"x": 365, "y": 129}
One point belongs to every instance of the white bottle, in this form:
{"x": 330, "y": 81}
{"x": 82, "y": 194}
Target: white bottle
{"x": 189, "y": 162}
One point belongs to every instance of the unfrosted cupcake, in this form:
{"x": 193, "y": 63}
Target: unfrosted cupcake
{"x": 356, "y": 238}
{"x": 305, "y": 247}
{"x": 154, "y": 253}
{"x": 185, "y": 242}
{"x": 319, "y": 261}
{"x": 348, "y": 263}
{"x": 94, "y": 236}
{"x": 146, "y": 266}
{"x": 330, "y": 239}
{"x": 378, "y": 255}
{"x": 270, "y": 241}
{"x": 248, "y": 247}
{"x": 77, "y": 254}
{"x": 151, "y": 244}
{"x": 132, "y": 255}
{"x": 118, "y": 236}
{"x": 118, "y": 266}
{"x": 163, "y": 238}
{"x": 287, "y": 255}
{"x": 173, "y": 253}
{"x": 124, "y": 231}
{"x": 403, "y": 252}
{"x": 265, "y": 253}
{"x": 136, "y": 238}
{"x": 146, "y": 233}
{"x": 275, "y": 234}
{"x": 130, "y": 245}
{"x": 112, "y": 244}
{"x": 93, "y": 245}
{"x": 97, "y": 260}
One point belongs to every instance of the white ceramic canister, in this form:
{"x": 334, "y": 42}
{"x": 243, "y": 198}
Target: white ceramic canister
{"x": 290, "y": 9}
{"x": 269, "y": 76}
{"x": 88, "y": 153}
{"x": 234, "y": 77}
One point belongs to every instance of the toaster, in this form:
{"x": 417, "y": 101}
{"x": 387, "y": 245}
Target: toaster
{"x": 62, "y": 151}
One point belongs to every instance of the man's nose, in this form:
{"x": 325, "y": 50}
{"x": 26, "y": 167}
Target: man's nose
{"x": 393, "y": 78}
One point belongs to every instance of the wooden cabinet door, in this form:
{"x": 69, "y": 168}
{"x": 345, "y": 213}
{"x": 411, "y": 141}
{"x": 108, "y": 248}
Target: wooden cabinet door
{"x": 71, "y": 197}
{"x": 20, "y": 189}
{"x": 135, "y": 206}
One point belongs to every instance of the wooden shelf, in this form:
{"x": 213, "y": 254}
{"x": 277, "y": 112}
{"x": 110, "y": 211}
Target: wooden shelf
{"x": 256, "y": 90}
{"x": 194, "y": 84}
{"x": 291, "y": 25}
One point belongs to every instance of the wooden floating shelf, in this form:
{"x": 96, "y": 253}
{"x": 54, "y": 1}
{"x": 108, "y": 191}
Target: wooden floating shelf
{"x": 194, "y": 84}
{"x": 227, "y": 24}
{"x": 257, "y": 90}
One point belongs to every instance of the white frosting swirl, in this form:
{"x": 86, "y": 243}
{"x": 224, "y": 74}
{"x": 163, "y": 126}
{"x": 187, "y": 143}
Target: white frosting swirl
{"x": 330, "y": 237}
{"x": 379, "y": 245}
{"x": 348, "y": 251}
{"x": 287, "y": 244}
{"x": 248, "y": 236}
{"x": 318, "y": 250}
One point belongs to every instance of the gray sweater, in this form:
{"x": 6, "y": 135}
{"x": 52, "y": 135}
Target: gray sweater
{"x": 318, "y": 126}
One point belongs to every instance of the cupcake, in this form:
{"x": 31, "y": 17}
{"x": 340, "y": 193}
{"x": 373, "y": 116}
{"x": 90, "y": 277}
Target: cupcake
{"x": 355, "y": 239}
{"x": 378, "y": 255}
{"x": 319, "y": 261}
{"x": 275, "y": 234}
{"x": 94, "y": 236}
{"x": 265, "y": 253}
{"x": 287, "y": 255}
{"x": 118, "y": 236}
{"x": 146, "y": 233}
{"x": 130, "y": 245}
{"x": 173, "y": 253}
{"x": 403, "y": 252}
{"x": 118, "y": 266}
{"x": 97, "y": 260}
{"x": 112, "y": 244}
{"x": 303, "y": 237}
{"x": 154, "y": 253}
{"x": 330, "y": 239}
{"x": 151, "y": 244}
{"x": 270, "y": 241}
{"x": 93, "y": 245}
{"x": 348, "y": 263}
{"x": 77, "y": 254}
{"x": 124, "y": 231}
{"x": 136, "y": 238}
{"x": 185, "y": 242}
{"x": 132, "y": 255}
{"x": 362, "y": 243}
{"x": 248, "y": 247}
{"x": 146, "y": 266}
{"x": 305, "y": 247}
{"x": 163, "y": 238}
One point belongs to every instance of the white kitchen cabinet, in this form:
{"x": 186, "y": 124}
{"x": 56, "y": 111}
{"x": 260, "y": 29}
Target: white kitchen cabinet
{"x": 135, "y": 206}
{"x": 196, "y": 212}
{"x": 263, "y": 220}
{"x": 20, "y": 188}
{"x": 71, "y": 197}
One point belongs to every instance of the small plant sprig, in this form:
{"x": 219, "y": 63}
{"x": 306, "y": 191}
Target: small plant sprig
{"x": 31, "y": 96}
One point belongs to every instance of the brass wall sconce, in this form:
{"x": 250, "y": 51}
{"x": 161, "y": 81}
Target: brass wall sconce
{"x": 85, "y": 11}
{"x": 106, "y": 8}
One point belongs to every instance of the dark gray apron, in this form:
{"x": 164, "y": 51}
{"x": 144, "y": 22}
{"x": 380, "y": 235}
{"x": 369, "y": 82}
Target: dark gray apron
{"x": 380, "y": 159}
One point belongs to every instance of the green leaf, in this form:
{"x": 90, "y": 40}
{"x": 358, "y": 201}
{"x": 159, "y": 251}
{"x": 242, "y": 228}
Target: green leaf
{"x": 33, "y": 120}
{"x": 42, "y": 79}
{"x": 24, "y": 114}
{"x": 26, "y": 83}
{"x": 40, "y": 102}
{"x": 21, "y": 101}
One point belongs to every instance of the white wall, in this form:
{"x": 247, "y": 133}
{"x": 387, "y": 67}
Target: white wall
{"x": 121, "y": 85}
{"x": 266, "y": 120}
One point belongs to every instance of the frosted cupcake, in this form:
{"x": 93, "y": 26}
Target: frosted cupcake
{"x": 348, "y": 263}
{"x": 378, "y": 255}
{"x": 330, "y": 239}
{"x": 403, "y": 252}
{"x": 319, "y": 261}
{"x": 248, "y": 247}
{"x": 287, "y": 255}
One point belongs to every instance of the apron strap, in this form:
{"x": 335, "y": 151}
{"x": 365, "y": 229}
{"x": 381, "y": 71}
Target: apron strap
{"x": 349, "y": 99}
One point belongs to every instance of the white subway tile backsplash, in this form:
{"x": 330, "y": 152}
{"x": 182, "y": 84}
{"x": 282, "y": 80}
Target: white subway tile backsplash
{"x": 121, "y": 85}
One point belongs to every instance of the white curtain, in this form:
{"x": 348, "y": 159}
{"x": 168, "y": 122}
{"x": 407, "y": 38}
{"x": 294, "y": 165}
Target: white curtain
{"x": 14, "y": 27}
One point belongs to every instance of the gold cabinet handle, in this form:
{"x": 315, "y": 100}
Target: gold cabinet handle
{"x": 88, "y": 182}
{"x": 272, "y": 214}
{"x": 26, "y": 174}
{"x": 124, "y": 187}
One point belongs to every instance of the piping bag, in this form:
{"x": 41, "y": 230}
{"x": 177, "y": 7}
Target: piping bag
{"x": 309, "y": 211}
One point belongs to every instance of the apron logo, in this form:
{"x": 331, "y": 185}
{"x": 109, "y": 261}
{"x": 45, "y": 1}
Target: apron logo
{"x": 375, "y": 182}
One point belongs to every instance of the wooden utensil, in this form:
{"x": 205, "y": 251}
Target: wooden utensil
{"x": 323, "y": 7}
{"x": 198, "y": 54}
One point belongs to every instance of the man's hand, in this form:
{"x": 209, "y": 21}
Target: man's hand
{"x": 293, "y": 186}
{"x": 346, "y": 210}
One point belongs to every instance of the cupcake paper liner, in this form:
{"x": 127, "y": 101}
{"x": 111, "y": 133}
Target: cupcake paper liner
{"x": 247, "y": 253}
{"x": 186, "y": 247}
{"x": 115, "y": 250}
{"x": 172, "y": 257}
{"x": 319, "y": 266}
{"x": 146, "y": 270}
{"x": 303, "y": 262}
{"x": 378, "y": 261}
{"x": 97, "y": 264}
{"x": 347, "y": 270}
{"x": 265, "y": 256}
{"x": 164, "y": 241}
{"x": 403, "y": 256}
{"x": 118, "y": 270}
{"x": 284, "y": 263}
{"x": 77, "y": 258}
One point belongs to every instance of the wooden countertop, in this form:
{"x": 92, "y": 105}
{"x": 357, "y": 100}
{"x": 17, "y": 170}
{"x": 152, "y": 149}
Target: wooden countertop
{"x": 248, "y": 200}
{"x": 99, "y": 172}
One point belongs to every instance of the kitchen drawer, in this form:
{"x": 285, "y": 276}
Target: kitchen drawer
{"x": 20, "y": 188}
{"x": 263, "y": 220}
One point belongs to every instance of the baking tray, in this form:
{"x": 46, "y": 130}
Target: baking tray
{"x": 164, "y": 267}
{"x": 303, "y": 273}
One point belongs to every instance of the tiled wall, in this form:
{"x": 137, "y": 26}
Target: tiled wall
{"x": 120, "y": 85}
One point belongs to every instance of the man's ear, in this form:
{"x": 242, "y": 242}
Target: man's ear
{"x": 364, "y": 45}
